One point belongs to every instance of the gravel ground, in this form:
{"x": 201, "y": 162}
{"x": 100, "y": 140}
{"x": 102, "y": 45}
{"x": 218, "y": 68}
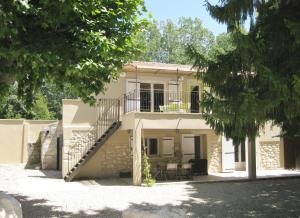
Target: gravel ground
{"x": 43, "y": 194}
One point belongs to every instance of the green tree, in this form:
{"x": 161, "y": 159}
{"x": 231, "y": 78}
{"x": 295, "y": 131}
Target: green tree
{"x": 257, "y": 80}
{"x": 40, "y": 109}
{"x": 54, "y": 97}
{"x": 167, "y": 42}
{"x": 80, "y": 43}
{"x": 12, "y": 107}
{"x": 275, "y": 53}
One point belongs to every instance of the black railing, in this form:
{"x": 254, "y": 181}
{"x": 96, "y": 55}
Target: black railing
{"x": 161, "y": 101}
{"x": 108, "y": 113}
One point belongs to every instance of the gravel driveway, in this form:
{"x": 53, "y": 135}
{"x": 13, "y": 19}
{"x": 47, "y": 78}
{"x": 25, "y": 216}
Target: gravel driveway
{"x": 43, "y": 194}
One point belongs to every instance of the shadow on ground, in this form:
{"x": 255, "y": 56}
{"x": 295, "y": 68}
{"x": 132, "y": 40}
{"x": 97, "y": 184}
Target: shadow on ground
{"x": 267, "y": 198}
{"x": 35, "y": 208}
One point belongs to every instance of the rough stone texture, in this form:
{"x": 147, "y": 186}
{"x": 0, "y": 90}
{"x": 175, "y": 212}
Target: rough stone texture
{"x": 269, "y": 155}
{"x": 214, "y": 153}
{"x": 153, "y": 212}
{"x": 49, "y": 146}
{"x": 34, "y": 152}
{"x": 9, "y": 207}
{"x": 113, "y": 157}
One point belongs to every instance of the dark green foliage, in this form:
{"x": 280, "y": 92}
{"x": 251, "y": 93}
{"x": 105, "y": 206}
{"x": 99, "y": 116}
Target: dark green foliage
{"x": 258, "y": 78}
{"x": 148, "y": 180}
{"x": 166, "y": 42}
{"x": 82, "y": 44}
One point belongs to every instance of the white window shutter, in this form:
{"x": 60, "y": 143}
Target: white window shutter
{"x": 132, "y": 95}
{"x": 167, "y": 146}
{"x": 188, "y": 147}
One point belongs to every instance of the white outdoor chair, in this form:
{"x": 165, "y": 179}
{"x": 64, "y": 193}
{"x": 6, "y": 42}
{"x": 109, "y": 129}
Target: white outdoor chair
{"x": 172, "y": 170}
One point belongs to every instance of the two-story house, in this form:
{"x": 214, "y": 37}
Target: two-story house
{"x": 155, "y": 107}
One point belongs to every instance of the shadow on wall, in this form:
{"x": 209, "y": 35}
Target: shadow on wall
{"x": 269, "y": 198}
{"x": 43, "y": 153}
{"x": 34, "y": 152}
{"x": 83, "y": 113}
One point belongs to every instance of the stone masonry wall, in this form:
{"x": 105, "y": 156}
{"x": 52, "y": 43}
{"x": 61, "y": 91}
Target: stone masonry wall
{"x": 214, "y": 153}
{"x": 49, "y": 146}
{"x": 34, "y": 152}
{"x": 111, "y": 159}
{"x": 269, "y": 155}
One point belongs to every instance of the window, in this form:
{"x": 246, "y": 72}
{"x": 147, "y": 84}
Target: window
{"x": 158, "y": 96}
{"x": 145, "y": 95}
{"x": 152, "y": 146}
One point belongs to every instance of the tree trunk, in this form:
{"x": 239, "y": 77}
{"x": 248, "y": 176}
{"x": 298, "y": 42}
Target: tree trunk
{"x": 251, "y": 158}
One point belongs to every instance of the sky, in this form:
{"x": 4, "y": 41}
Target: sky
{"x": 173, "y": 9}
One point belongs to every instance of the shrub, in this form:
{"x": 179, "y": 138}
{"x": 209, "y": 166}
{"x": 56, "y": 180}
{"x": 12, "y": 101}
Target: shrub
{"x": 148, "y": 180}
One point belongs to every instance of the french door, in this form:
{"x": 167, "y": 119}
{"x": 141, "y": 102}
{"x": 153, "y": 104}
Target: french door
{"x": 151, "y": 96}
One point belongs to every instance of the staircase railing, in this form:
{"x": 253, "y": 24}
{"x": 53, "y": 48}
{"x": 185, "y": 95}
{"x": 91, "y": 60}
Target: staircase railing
{"x": 108, "y": 113}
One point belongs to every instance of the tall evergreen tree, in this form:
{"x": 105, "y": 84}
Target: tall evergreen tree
{"x": 257, "y": 80}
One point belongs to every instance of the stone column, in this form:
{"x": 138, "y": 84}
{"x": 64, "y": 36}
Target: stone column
{"x": 137, "y": 154}
{"x": 251, "y": 161}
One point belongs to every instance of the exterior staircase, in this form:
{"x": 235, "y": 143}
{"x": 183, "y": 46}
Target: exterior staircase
{"x": 108, "y": 122}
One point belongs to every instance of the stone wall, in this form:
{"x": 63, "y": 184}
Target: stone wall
{"x": 34, "y": 152}
{"x": 49, "y": 146}
{"x": 111, "y": 159}
{"x": 214, "y": 153}
{"x": 269, "y": 155}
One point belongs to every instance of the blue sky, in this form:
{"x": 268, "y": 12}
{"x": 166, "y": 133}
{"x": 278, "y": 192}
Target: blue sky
{"x": 173, "y": 9}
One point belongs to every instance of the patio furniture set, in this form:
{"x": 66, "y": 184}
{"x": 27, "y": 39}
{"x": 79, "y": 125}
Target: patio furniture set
{"x": 180, "y": 171}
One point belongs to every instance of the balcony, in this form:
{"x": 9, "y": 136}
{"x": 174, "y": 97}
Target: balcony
{"x": 161, "y": 101}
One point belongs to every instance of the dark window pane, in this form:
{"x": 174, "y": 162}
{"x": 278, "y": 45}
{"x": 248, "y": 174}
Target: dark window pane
{"x": 158, "y": 96}
{"x": 243, "y": 152}
{"x": 153, "y": 149}
{"x": 236, "y": 153}
{"x": 195, "y": 100}
{"x": 197, "y": 147}
{"x": 145, "y": 97}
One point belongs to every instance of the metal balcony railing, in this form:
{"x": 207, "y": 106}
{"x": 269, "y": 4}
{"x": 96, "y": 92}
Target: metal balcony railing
{"x": 161, "y": 101}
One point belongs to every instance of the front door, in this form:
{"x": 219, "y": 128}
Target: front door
{"x": 227, "y": 155}
{"x": 190, "y": 147}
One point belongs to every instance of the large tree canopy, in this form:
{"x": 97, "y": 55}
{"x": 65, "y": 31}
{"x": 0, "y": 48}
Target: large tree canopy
{"x": 75, "y": 42}
{"x": 258, "y": 78}
{"x": 167, "y": 41}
